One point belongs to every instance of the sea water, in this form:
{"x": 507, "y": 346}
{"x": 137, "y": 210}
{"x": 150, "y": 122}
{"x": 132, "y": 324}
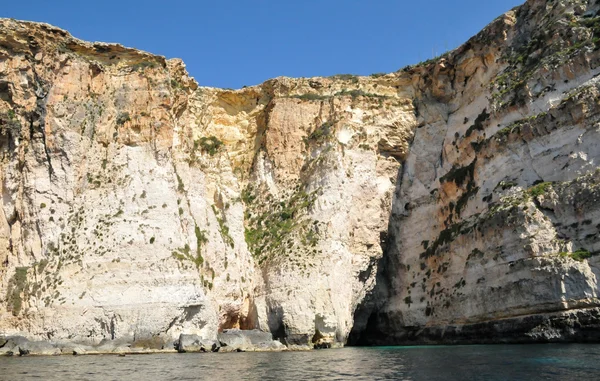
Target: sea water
{"x": 580, "y": 362}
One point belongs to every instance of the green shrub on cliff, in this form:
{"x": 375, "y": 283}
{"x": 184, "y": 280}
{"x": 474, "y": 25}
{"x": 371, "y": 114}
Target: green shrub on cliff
{"x": 539, "y": 189}
{"x": 210, "y": 145}
{"x": 9, "y": 124}
{"x": 311, "y": 97}
{"x": 223, "y": 228}
{"x": 272, "y": 226}
{"x": 345, "y": 77}
{"x": 578, "y": 255}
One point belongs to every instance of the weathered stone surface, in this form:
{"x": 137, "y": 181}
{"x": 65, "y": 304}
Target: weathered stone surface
{"x": 459, "y": 192}
{"x": 248, "y": 340}
{"x": 38, "y": 348}
{"x": 235, "y": 337}
{"x": 194, "y": 343}
{"x": 78, "y": 350}
{"x": 269, "y": 346}
{"x": 10, "y": 344}
{"x": 130, "y": 219}
{"x": 564, "y": 326}
{"x": 18, "y": 345}
{"x": 496, "y": 216}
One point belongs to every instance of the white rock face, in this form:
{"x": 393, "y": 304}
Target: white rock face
{"x": 137, "y": 205}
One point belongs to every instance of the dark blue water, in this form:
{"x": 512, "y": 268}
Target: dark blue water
{"x": 503, "y": 362}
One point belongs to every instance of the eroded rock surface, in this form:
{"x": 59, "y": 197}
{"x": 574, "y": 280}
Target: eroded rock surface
{"x": 194, "y": 343}
{"x": 494, "y": 229}
{"x": 139, "y": 206}
{"x": 460, "y": 192}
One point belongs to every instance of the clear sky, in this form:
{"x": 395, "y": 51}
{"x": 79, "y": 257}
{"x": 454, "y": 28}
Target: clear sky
{"x": 245, "y": 42}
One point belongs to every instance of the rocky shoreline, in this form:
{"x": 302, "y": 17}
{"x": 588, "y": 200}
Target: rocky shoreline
{"x": 228, "y": 341}
{"x": 572, "y": 326}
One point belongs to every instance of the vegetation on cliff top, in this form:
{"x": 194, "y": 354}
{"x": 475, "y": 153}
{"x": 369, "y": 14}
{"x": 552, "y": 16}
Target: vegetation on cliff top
{"x": 543, "y": 49}
{"x": 355, "y": 93}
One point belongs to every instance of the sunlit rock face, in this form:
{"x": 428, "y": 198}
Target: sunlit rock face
{"x": 450, "y": 196}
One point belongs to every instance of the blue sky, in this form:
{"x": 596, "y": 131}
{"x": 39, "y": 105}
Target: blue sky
{"x": 240, "y": 42}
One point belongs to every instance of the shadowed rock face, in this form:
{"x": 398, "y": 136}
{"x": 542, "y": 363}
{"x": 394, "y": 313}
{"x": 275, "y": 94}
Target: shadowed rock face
{"x": 494, "y": 228}
{"x": 461, "y": 192}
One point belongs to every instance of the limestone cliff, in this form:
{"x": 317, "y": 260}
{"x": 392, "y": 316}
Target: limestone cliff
{"x": 494, "y": 228}
{"x": 137, "y": 204}
{"x": 459, "y": 192}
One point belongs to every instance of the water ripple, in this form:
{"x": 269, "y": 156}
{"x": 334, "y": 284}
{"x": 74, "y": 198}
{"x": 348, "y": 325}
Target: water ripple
{"x": 489, "y": 363}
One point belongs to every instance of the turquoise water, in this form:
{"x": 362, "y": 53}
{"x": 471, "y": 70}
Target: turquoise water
{"x": 502, "y": 362}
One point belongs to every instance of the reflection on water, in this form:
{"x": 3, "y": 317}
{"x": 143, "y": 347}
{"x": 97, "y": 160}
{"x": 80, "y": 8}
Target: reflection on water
{"x": 504, "y": 362}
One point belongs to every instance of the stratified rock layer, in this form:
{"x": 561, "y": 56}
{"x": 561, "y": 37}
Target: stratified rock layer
{"x": 458, "y": 195}
{"x": 137, "y": 205}
{"x": 494, "y": 229}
